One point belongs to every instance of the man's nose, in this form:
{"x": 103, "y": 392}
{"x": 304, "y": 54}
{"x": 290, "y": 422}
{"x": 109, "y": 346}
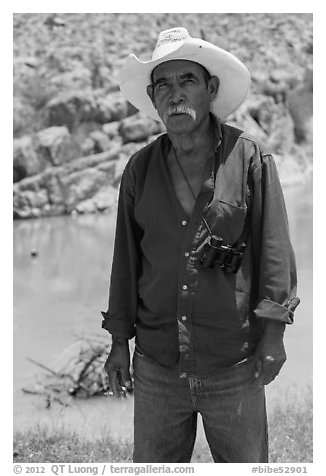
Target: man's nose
{"x": 176, "y": 94}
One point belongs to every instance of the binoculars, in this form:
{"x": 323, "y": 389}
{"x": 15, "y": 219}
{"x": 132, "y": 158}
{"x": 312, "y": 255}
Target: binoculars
{"x": 218, "y": 254}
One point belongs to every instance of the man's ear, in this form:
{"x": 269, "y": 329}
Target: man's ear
{"x": 150, "y": 93}
{"x": 213, "y": 85}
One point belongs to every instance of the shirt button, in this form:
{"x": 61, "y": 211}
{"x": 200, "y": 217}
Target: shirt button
{"x": 184, "y": 222}
{"x": 187, "y": 254}
{"x": 184, "y": 318}
{"x": 185, "y": 287}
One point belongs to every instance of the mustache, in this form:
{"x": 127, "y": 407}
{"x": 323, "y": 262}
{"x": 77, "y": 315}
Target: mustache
{"x": 180, "y": 109}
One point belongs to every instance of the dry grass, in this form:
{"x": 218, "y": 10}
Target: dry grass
{"x": 291, "y": 429}
{"x": 42, "y": 446}
{"x": 290, "y": 438}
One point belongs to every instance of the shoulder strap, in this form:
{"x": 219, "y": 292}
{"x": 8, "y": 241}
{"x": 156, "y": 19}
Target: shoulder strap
{"x": 243, "y": 238}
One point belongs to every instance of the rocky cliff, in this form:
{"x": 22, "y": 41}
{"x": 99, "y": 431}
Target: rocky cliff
{"x": 74, "y": 132}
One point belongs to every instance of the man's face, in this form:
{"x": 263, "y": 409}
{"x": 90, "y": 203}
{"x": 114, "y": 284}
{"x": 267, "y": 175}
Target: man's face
{"x": 181, "y": 94}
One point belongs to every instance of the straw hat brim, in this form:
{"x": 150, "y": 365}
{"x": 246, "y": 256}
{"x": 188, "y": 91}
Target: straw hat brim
{"x": 233, "y": 74}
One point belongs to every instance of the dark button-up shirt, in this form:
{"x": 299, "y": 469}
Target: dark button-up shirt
{"x": 159, "y": 292}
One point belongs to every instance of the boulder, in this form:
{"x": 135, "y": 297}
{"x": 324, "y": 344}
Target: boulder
{"x": 301, "y": 109}
{"x": 33, "y": 199}
{"x": 100, "y": 140}
{"x": 70, "y": 108}
{"x": 126, "y": 152}
{"x": 78, "y": 78}
{"x": 263, "y": 110}
{"x": 58, "y": 190}
{"x": 52, "y": 144}
{"x": 27, "y": 161}
{"x": 250, "y": 126}
{"x": 23, "y": 116}
{"x": 111, "y": 129}
{"x": 281, "y": 137}
{"x": 293, "y": 168}
{"x": 94, "y": 160}
{"x": 26, "y": 204}
{"x": 87, "y": 146}
{"x": 75, "y": 106}
{"x": 103, "y": 200}
{"x": 279, "y": 83}
{"x": 112, "y": 107}
{"x": 270, "y": 123}
{"x": 138, "y": 128}
{"x": 81, "y": 185}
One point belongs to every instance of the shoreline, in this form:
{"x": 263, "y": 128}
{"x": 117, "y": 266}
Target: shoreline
{"x": 85, "y": 417}
{"x": 288, "y": 181}
{"x": 290, "y": 435}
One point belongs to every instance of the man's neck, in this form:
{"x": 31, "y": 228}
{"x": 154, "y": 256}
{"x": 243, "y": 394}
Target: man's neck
{"x": 193, "y": 144}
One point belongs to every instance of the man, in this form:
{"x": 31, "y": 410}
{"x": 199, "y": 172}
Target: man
{"x": 203, "y": 270}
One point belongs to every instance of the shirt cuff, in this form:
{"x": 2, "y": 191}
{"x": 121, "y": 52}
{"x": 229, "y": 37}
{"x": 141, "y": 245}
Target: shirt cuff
{"x": 268, "y": 309}
{"x": 118, "y": 327}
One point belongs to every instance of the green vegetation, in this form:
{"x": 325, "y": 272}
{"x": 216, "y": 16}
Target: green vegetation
{"x": 290, "y": 436}
{"x": 41, "y": 445}
{"x": 290, "y": 429}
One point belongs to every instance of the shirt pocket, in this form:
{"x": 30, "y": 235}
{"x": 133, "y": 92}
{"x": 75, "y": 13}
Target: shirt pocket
{"x": 226, "y": 220}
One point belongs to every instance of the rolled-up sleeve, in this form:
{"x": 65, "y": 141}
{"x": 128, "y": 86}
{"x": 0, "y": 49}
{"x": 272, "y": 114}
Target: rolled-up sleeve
{"x": 120, "y": 317}
{"x": 275, "y": 267}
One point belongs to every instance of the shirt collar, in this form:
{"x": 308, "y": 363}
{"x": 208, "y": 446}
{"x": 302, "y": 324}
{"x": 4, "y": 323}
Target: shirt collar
{"x": 216, "y": 131}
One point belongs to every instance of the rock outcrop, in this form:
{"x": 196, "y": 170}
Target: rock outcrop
{"x": 138, "y": 128}
{"x": 84, "y": 185}
{"x": 74, "y": 132}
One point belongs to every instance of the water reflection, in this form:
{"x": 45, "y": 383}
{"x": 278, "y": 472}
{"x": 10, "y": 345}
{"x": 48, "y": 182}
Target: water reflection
{"x": 59, "y": 293}
{"x": 71, "y": 254}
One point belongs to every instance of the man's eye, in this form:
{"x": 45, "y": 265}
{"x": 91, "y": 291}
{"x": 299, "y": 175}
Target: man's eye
{"x": 188, "y": 80}
{"x": 161, "y": 85}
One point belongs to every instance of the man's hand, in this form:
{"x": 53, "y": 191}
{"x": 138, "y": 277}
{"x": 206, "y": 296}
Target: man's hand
{"x": 270, "y": 355}
{"x": 117, "y": 367}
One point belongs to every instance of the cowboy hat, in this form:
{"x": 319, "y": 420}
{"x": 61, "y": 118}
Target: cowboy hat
{"x": 176, "y": 43}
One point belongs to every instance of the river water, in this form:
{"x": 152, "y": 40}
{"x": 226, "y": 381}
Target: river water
{"x": 58, "y": 296}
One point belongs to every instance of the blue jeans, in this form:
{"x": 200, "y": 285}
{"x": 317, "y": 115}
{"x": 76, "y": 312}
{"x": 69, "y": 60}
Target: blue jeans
{"x": 230, "y": 401}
